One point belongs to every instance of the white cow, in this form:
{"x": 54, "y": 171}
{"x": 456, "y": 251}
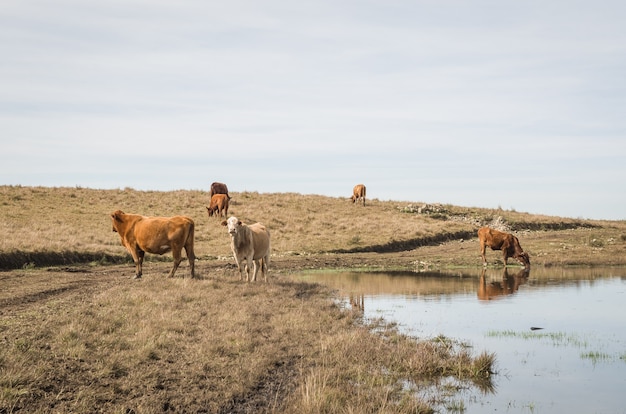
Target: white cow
{"x": 249, "y": 243}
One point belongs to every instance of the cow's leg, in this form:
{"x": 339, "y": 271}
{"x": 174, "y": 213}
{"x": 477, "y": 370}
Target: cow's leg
{"x": 138, "y": 259}
{"x": 256, "y": 269}
{"x": 506, "y": 253}
{"x": 176, "y": 252}
{"x": 240, "y": 270}
{"x": 483, "y": 247}
{"x": 176, "y": 263}
{"x": 248, "y": 266}
{"x": 192, "y": 261}
{"x": 264, "y": 267}
{"x": 505, "y": 257}
{"x": 238, "y": 261}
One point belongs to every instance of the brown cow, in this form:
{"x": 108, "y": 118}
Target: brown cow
{"x": 358, "y": 193}
{"x": 156, "y": 235}
{"x": 218, "y": 188}
{"x": 219, "y": 205}
{"x": 250, "y": 244}
{"x": 507, "y": 286}
{"x": 498, "y": 240}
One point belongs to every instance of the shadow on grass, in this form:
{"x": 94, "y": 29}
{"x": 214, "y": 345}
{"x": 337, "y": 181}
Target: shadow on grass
{"x": 19, "y": 260}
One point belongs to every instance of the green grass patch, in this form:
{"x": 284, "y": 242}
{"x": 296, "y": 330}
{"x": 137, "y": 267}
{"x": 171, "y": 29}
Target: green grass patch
{"x": 556, "y": 338}
{"x": 562, "y": 339}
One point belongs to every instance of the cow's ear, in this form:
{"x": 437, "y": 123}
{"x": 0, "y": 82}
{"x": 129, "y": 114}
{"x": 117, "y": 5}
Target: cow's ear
{"x": 207, "y": 207}
{"x": 224, "y": 223}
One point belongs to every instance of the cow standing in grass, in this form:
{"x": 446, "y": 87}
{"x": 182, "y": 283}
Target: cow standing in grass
{"x": 156, "y": 235}
{"x": 249, "y": 243}
{"x": 508, "y": 243}
{"x": 218, "y": 206}
{"x": 358, "y": 193}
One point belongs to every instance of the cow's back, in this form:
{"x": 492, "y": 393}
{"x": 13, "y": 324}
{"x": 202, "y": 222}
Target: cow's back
{"x": 492, "y": 238}
{"x": 218, "y": 188}
{"x": 155, "y": 234}
{"x": 359, "y": 190}
{"x": 219, "y": 201}
{"x": 484, "y": 234}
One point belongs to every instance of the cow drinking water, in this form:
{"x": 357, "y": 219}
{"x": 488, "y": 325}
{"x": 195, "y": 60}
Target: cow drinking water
{"x": 508, "y": 243}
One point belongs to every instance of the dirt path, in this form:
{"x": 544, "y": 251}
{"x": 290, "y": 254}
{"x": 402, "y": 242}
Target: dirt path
{"x": 23, "y": 289}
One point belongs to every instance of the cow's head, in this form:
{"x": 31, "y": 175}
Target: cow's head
{"x": 233, "y": 224}
{"x": 210, "y": 211}
{"x": 524, "y": 259}
{"x": 116, "y": 218}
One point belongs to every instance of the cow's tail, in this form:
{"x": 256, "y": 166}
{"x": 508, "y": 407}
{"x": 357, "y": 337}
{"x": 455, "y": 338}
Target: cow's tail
{"x": 189, "y": 248}
{"x": 266, "y": 259}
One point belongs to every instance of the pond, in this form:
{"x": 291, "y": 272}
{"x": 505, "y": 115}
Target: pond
{"x": 559, "y": 334}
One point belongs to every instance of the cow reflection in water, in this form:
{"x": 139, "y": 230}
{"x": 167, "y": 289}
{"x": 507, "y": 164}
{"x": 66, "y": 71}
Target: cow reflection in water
{"x": 507, "y": 286}
{"x": 357, "y": 301}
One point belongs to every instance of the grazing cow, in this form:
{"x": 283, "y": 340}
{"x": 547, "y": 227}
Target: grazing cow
{"x": 249, "y": 243}
{"x": 508, "y": 243}
{"x": 156, "y": 235}
{"x": 218, "y": 188}
{"x": 507, "y": 286}
{"x": 358, "y": 193}
{"x": 219, "y": 205}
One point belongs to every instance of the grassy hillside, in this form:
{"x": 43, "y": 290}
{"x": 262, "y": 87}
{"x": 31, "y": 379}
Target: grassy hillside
{"x": 60, "y": 225}
{"x": 86, "y": 338}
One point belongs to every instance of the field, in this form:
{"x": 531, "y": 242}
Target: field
{"x": 78, "y": 335}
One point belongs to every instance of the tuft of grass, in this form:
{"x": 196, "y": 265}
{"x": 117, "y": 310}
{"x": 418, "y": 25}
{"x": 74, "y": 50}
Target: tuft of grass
{"x": 595, "y": 356}
{"x": 596, "y": 243}
{"x": 560, "y": 339}
{"x": 557, "y": 338}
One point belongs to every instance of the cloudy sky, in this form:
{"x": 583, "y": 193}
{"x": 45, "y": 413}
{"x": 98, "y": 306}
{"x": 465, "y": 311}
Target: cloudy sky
{"x": 512, "y": 104}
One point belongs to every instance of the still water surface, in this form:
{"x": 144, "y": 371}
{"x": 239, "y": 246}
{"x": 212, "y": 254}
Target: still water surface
{"x": 576, "y": 362}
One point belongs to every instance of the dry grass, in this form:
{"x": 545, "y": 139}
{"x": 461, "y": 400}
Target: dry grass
{"x": 76, "y": 220}
{"x": 91, "y": 340}
{"x": 85, "y": 338}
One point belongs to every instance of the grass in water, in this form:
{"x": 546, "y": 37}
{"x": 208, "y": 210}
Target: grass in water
{"x": 562, "y": 339}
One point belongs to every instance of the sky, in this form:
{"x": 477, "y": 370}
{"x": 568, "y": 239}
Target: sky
{"x": 519, "y": 105}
